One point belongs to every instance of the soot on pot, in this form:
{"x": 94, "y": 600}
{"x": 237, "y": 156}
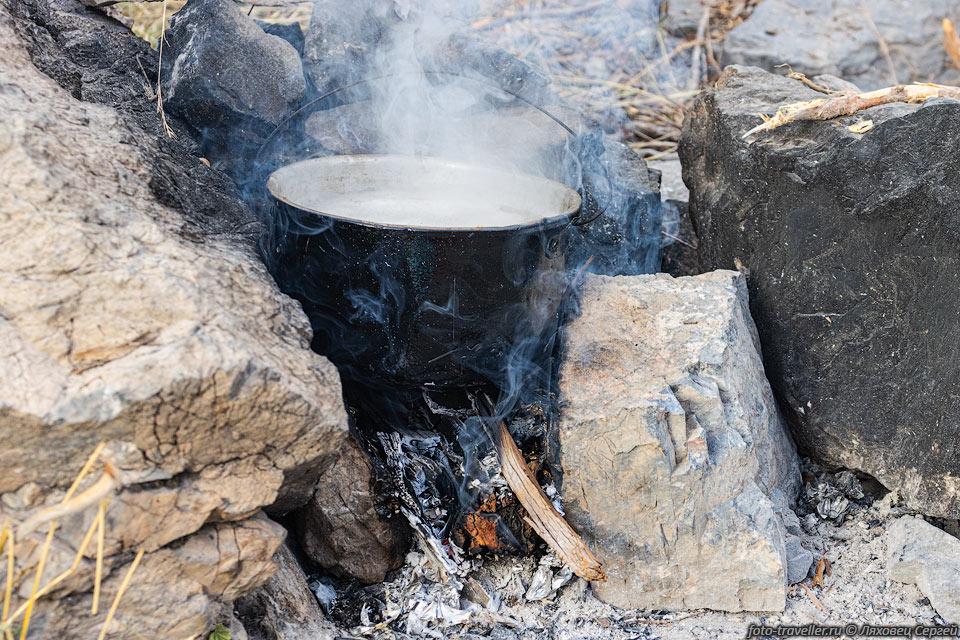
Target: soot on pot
{"x": 429, "y": 91}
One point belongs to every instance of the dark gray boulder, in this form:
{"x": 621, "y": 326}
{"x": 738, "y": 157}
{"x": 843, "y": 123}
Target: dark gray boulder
{"x": 227, "y": 78}
{"x": 291, "y": 32}
{"x": 626, "y": 239}
{"x": 852, "y": 246}
{"x": 836, "y": 37}
{"x": 344, "y": 529}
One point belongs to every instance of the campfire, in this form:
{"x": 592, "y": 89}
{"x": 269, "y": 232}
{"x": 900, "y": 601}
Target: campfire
{"x": 359, "y": 307}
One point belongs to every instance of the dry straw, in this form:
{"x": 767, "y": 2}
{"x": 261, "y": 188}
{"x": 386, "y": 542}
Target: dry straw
{"x": 99, "y": 493}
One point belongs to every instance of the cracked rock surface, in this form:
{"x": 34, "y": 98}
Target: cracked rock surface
{"x": 676, "y": 464}
{"x": 134, "y": 311}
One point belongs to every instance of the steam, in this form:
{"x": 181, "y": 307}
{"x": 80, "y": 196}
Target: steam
{"x": 411, "y": 81}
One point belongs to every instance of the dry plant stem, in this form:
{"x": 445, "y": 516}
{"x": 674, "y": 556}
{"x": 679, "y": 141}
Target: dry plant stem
{"x": 845, "y": 105}
{"x": 695, "y": 61}
{"x": 884, "y": 49}
{"x": 814, "y": 598}
{"x": 116, "y": 599}
{"x": 45, "y": 551}
{"x": 543, "y": 517}
{"x": 98, "y": 576}
{"x": 951, "y": 42}
{"x": 47, "y": 588}
{"x": 41, "y": 565}
{"x": 163, "y": 117}
{"x": 8, "y": 589}
{"x": 93, "y": 494}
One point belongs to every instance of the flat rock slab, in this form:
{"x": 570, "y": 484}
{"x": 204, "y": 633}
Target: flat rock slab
{"x": 921, "y": 554}
{"x": 850, "y": 244}
{"x": 671, "y": 445}
{"x": 846, "y": 38}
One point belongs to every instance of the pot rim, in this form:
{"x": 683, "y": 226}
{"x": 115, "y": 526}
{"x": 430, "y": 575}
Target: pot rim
{"x": 565, "y": 216}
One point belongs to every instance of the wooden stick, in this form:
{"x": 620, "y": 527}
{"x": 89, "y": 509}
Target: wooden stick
{"x": 695, "y": 60}
{"x": 543, "y": 517}
{"x": 884, "y": 49}
{"x": 951, "y": 42}
{"x": 845, "y": 105}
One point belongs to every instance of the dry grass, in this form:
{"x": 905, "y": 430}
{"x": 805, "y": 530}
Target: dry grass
{"x": 637, "y": 79}
{"x": 99, "y": 493}
{"x": 146, "y": 19}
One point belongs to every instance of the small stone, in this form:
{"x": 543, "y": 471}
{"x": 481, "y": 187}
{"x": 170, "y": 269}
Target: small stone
{"x": 341, "y": 529}
{"x": 799, "y": 560}
{"x": 921, "y": 554}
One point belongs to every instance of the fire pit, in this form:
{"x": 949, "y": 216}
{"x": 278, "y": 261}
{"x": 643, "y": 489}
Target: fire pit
{"x": 423, "y": 271}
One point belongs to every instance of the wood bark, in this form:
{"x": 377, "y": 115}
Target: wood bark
{"x": 543, "y": 517}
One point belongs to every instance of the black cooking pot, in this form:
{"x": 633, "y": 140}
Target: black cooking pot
{"x": 418, "y": 271}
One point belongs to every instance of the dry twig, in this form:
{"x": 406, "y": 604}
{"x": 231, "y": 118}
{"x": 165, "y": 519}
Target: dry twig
{"x": 543, "y": 517}
{"x": 796, "y": 75}
{"x": 695, "y": 60}
{"x": 814, "y": 598}
{"x": 951, "y": 42}
{"x": 848, "y": 104}
{"x": 884, "y": 49}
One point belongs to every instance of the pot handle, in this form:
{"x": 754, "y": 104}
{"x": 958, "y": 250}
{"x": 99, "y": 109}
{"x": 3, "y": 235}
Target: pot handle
{"x": 589, "y": 210}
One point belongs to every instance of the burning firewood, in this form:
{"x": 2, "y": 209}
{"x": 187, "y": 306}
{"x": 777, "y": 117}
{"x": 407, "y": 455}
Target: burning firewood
{"x": 543, "y": 517}
{"x": 848, "y": 104}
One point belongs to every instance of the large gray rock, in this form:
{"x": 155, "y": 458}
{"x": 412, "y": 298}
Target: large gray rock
{"x": 851, "y": 250}
{"x": 134, "y": 311}
{"x": 341, "y": 528}
{"x": 670, "y": 443}
{"x": 921, "y": 554}
{"x": 835, "y": 37}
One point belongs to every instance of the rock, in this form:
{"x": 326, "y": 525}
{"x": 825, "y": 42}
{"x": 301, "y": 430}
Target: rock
{"x": 227, "y": 78}
{"x": 340, "y": 40}
{"x": 341, "y": 530}
{"x": 134, "y": 311}
{"x": 626, "y": 238}
{"x": 291, "y": 32}
{"x": 799, "y": 560}
{"x": 175, "y": 592}
{"x": 283, "y": 608}
{"x": 679, "y": 237}
{"x": 670, "y": 443}
{"x": 921, "y": 554}
{"x": 682, "y": 17}
{"x": 348, "y": 43}
{"x": 836, "y": 37}
{"x": 849, "y": 244}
